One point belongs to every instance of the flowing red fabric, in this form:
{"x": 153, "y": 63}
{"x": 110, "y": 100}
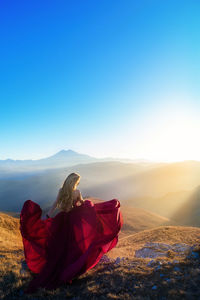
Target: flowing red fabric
{"x": 60, "y": 249}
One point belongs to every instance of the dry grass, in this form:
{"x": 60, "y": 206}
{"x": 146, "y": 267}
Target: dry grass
{"x": 10, "y": 236}
{"x": 138, "y": 219}
{"x": 129, "y": 279}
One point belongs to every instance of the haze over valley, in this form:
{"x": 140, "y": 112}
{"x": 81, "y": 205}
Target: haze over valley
{"x": 161, "y": 188}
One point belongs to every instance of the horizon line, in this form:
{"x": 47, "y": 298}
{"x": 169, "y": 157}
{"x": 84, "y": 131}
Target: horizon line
{"x": 105, "y": 157}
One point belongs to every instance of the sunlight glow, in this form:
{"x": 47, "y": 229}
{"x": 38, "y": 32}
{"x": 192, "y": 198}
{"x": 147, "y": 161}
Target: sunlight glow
{"x": 169, "y": 135}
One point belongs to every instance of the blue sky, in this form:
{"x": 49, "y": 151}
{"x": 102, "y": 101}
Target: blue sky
{"x": 106, "y": 78}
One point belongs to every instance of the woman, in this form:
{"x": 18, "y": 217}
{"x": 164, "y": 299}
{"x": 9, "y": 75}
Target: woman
{"x": 61, "y": 248}
{"x": 68, "y": 196}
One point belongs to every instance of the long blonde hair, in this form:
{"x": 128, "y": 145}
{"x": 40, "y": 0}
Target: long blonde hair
{"x": 65, "y": 201}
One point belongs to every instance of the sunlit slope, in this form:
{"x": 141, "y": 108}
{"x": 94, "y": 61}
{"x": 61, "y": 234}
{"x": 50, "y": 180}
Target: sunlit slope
{"x": 10, "y": 238}
{"x": 166, "y": 205}
{"x": 164, "y": 234}
{"x": 162, "y": 190}
{"x": 181, "y": 207}
{"x": 137, "y": 219}
{"x": 189, "y": 212}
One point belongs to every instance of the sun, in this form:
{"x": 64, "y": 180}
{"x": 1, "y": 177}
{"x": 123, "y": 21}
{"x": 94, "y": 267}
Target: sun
{"x": 169, "y": 135}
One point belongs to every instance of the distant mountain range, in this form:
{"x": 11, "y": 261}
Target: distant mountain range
{"x": 60, "y": 159}
{"x": 42, "y": 185}
{"x": 167, "y": 189}
{"x": 63, "y": 158}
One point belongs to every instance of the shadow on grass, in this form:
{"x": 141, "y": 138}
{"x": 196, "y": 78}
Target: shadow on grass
{"x": 6, "y": 252}
{"x": 128, "y": 280}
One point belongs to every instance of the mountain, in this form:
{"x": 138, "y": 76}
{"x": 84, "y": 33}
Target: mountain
{"x": 61, "y": 159}
{"x": 68, "y": 157}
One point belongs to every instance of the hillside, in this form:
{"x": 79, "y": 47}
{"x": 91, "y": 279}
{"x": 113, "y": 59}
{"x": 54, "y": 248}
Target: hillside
{"x": 166, "y": 205}
{"x": 189, "y": 212}
{"x": 165, "y": 234}
{"x": 10, "y": 238}
{"x": 137, "y": 219}
{"x": 120, "y": 274}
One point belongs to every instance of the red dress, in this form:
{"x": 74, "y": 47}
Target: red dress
{"x": 61, "y": 248}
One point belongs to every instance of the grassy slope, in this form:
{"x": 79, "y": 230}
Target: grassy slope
{"x": 127, "y": 280}
{"x": 164, "y": 234}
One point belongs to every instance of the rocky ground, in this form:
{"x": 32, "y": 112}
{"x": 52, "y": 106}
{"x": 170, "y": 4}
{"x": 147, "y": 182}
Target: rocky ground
{"x": 157, "y": 271}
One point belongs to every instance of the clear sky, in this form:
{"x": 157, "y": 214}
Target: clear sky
{"x": 101, "y": 77}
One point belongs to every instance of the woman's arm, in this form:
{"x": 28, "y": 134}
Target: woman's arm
{"x": 79, "y": 197}
{"x": 50, "y": 212}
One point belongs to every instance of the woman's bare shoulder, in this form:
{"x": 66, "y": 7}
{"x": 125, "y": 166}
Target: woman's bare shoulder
{"x": 77, "y": 195}
{"x": 76, "y": 192}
